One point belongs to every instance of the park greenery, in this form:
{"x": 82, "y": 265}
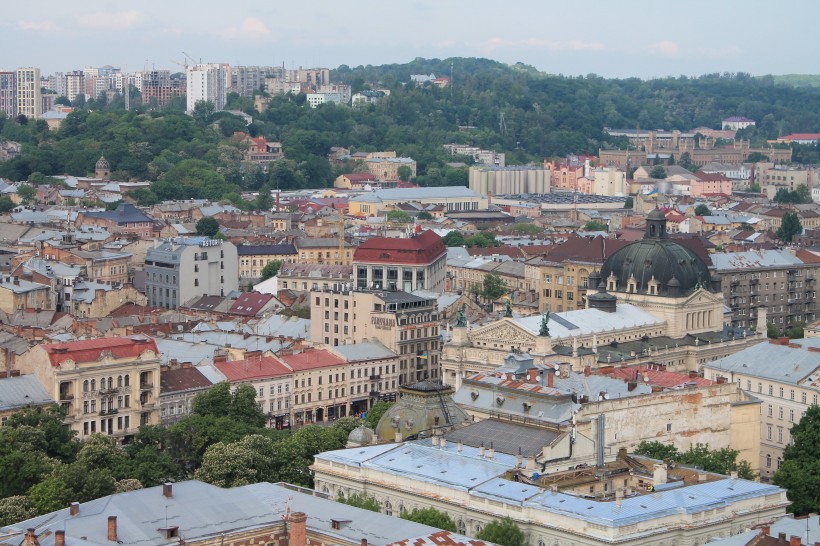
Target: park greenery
{"x": 223, "y": 441}
{"x": 789, "y": 227}
{"x": 800, "y": 472}
{"x": 720, "y": 461}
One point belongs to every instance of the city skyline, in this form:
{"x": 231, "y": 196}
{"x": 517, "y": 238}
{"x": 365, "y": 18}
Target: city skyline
{"x": 640, "y": 39}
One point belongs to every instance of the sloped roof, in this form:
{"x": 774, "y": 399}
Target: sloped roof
{"x": 21, "y": 391}
{"x": 249, "y": 304}
{"x": 89, "y": 350}
{"x": 182, "y": 379}
{"x": 309, "y": 360}
{"x": 421, "y": 249}
{"x": 253, "y": 368}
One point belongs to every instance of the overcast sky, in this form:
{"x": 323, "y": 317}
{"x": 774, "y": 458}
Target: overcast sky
{"x": 617, "y": 38}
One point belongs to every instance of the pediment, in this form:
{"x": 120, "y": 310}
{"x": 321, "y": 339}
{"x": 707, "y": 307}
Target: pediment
{"x": 504, "y": 331}
{"x": 701, "y": 296}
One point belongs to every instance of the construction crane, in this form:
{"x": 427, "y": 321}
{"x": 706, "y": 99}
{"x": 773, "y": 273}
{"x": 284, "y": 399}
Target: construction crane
{"x": 193, "y": 61}
{"x": 183, "y": 64}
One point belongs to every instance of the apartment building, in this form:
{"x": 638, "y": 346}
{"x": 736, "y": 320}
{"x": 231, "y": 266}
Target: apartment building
{"x": 246, "y": 80}
{"x": 8, "y": 94}
{"x": 206, "y": 82}
{"x": 106, "y": 385}
{"x": 183, "y": 268}
{"x": 772, "y": 177}
{"x": 775, "y": 280}
{"x": 19, "y": 392}
{"x": 17, "y": 294}
{"x": 254, "y": 258}
{"x": 783, "y": 375}
{"x": 269, "y": 377}
{"x": 179, "y": 385}
{"x": 126, "y": 219}
{"x": 158, "y": 88}
{"x": 304, "y": 277}
{"x": 321, "y": 386}
{"x": 418, "y": 262}
{"x": 74, "y": 84}
{"x": 405, "y": 323}
{"x": 323, "y": 250}
{"x": 374, "y": 374}
{"x": 29, "y": 99}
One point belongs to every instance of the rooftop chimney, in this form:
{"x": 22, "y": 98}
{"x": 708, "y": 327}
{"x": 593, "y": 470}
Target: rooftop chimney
{"x": 297, "y": 529}
{"x": 481, "y": 450}
{"x": 781, "y": 538}
{"x": 167, "y": 490}
{"x": 443, "y": 442}
{"x": 112, "y": 528}
{"x": 460, "y": 446}
{"x": 587, "y": 371}
{"x": 59, "y": 538}
{"x": 492, "y": 451}
{"x": 551, "y": 379}
{"x": 795, "y": 540}
{"x": 74, "y": 509}
{"x": 659, "y": 475}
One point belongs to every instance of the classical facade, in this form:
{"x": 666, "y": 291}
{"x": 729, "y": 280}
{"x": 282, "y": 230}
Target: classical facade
{"x": 105, "y": 385}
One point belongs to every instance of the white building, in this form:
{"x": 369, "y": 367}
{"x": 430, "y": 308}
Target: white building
{"x": 206, "y": 82}
{"x": 609, "y": 181}
{"x": 315, "y": 99}
{"x": 736, "y": 122}
{"x": 29, "y": 98}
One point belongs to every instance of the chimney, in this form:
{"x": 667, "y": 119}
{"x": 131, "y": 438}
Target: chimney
{"x": 364, "y": 542}
{"x": 492, "y": 451}
{"x": 297, "y": 529}
{"x": 398, "y": 436}
{"x": 693, "y": 374}
{"x": 586, "y": 371}
{"x": 59, "y": 538}
{"x": 167, "y": 490}
{"x": 659, "y": 475}
{"x": 74, "y": 509}
{"x": 435, "y": 440}
{"x": 443, "y": 442}
{"x": 781, "y": 538}
{"x": 794, "y": 540}
{"x": 112, "y": 528}
{"x": 765, "y": 530}
{"x": 701, "y": 476}
{"x": 481, "y": 450}
{"x": 460, "y": 446}
{"x": 532, "y": 376}
{"x": 551, "y": 379}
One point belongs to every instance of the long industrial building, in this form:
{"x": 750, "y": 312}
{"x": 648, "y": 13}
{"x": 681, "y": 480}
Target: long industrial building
{"x": 491, "y": 180}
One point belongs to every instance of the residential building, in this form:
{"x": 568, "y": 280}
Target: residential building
{"x": 418, "y": 262}
{"x": 179, "y": 385}
{"x": 254, "y": 258}
{"x": 247, "y": 80}
{"x": 18, "y": 392}
{"x": 323, "y": 250}
{"x": 733, "y": 123}
{"x": 301, "y": 277}
{"x": 321, "y": 386}
{"x": 158, "y": 88}
{"x": 387, "y": 168}
{"x": 270, "y": 378}
{"x": 262, "y": 513}
{"x": 481, "y": 157}
{"x": 374, "y": 374}
{"x": 609, "y": 181}
{"x": 182, "y": 268}
{"x": 366, "y": 97}
{"x": 354, "y": 181}
{"x": 775, "y": 285}
{"x": 74, "y": 85}
{"x": 491, "y": 180}
{"x": 316, "y": 99}
{"x": 206, "y": 82}
{"x": 343, "y": 90}
{"x": 17, "y": 294}
{"x": 783, "y": 375}
{"x": 126, "y": 219}
{"x": 452, "y": 198}
{"x": 121, "y": 374}
{"x": 405, "y": 323}
{"x": 29, "y": 101}
{"x": 799, "y": 138}
{"x": 738, "y": 152}
{"x": 8, "y": 94}
{"x": 772, "y": 177}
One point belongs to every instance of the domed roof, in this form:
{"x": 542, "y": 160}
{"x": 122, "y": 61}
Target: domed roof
{"x": 361, "y": 436}
{"x": 102, "y": 163}
{"x": 677, "y": 270}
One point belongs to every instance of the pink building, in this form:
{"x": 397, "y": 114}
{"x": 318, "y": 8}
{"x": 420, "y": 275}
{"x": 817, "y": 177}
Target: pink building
{"x": 710, "y": 184}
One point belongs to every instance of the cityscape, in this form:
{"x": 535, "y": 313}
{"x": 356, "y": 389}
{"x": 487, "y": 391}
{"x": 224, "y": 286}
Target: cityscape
{"x": 450, "y": 301}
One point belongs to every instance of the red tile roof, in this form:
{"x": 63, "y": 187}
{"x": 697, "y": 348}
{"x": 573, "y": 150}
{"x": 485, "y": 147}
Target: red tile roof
{"x": 585, "y": 249}
{"x": 260, "y": 367}
{"x": 249, "y": 304}
{"x": 90, "y": 350}
{"x": 310, "y": 360}
{"x": 655, "y": 377}
{"x": 421, "y": 249}
{"x": 360, "y": 177}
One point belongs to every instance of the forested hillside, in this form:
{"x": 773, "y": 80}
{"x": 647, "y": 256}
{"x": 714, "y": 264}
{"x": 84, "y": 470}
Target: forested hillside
{"x": 513, "y": 109}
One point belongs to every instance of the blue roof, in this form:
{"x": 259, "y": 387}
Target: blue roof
{"x": 124, "y": 214}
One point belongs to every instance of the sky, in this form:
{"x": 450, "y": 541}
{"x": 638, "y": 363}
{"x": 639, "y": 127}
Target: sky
{"x": 611, "y": 38}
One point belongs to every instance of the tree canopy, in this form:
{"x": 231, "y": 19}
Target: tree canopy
{"x": 789, "y": 227}
{"x": 207, "y": 226}
{"x": 702, "y": 210}
{"x": 271, "y": 269}
{"x": 799, "y": 473}
{"x": 431, "y": 517}
{"x": 721, "y": 461}
{"x": 504, "y": 532}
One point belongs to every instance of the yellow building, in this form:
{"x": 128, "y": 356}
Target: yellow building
{"x": 17, "y": 294}
{"x": 106, "y": 385}
{"x": 322, "y": 250}
{"x": 254, "y": 258}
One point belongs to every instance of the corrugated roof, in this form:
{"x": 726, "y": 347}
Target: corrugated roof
{"x": 25, "y": 390}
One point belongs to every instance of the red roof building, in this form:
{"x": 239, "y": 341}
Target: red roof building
{"x": 90, "y": 350}
{"x": 248, "y": 370}
{"x": 655, "y": 376}
{"x": 412, "y": 263}
{"x": 250, "y": 304}
{"x": 311, "y": 360}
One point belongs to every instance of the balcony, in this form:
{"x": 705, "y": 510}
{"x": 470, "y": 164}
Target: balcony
{"x": 146, "y": 386}
{"x": 374, "y": 394}
{"x": 66, "y": 397}
{"x": 754, "y": 281}
{"x": 375, "y": 377}
{"x": 112, "y": 390}
{"x": 113, "y": 411}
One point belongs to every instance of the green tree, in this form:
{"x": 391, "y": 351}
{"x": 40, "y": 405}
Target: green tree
{"x": 250, "y": 460}
{"x": 483, "y": 239}
{"x": 375, "y": 413}
{"x": 15, "y": 509}
{"x": 263, "y": 201}
{"x": 245, "y": 408}
{"x": 203, "y": 112}
{"x": 6, "y": 204}
{"x": 61, "y": 441}
{"x": 398, "y": 216}
{"x": 49, "y": 495}
{"x": 207, "y": 226}
{"x": 423, "y": 215}
{"x": 772, "y": 331}
{"x": 658, "y": 172}
{"x": 404, "y": 173}
{"x": 789, "y": 227}
{"x": 702, "y": 210}
{"x": 594, "y": 225}
{"x": 453, "y": 238}
{"x": 431, "y": 517}
{"x": 271, "y": 269}
{"x": 754, "y": 187}
{"x": 361, "y": 501}
{"x": 27, "y": 193}
{"x": 799, "y": 473}
{"x": 629, "y": 203}
{"x": 504, "y": 532}
{"x": 494, "y": 287}
{"x": 721, "y": 461}
{"x": 216, "y": 401}
{"x": 756, "y": 157}
{"x": 657, "y": 450}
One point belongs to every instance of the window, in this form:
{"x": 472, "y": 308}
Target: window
{"x": 769, "y": 432}
{"x": 779, "y": 435}
{"x": 781, "y": 392}
{"x": 768, "y": 461}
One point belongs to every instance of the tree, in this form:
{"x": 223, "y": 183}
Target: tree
{"x": 629, "y": 203}
{"x": 789, "y": 227}
{"x": 756, "y": 157}
{"x": 594, "y": 225}
{"x": 14, "y": 509}
{"x": 484, "y": 239}
{"x": 6, "y": 204}
{"x": 494, "y": 287}
{"x": 404, "y": 173}
{"x": 657, "y": 450}
{"x": 263, "y": 201}
{"x": 721, "y": 461}
{"x": 27, "y": 193}
{"x": 245, "y": 408}
{"x": 203, "y": 112}
{"x": 207, "y": 226}
{"x": 361, "y": 501}
{"x": 504, "y": 532}
{"x": 702, "y": 210}
{"x": 398, "y": 216}
{"x": 375, "y": 413}
{"x": 247, "y": 461}
{"x": 49, "y": 495}
{"x": 424, "y": 215}
{"x": 431, "y": 517}
{"x": 453, "y": 238}
{"x": 216, "y": 401}
{"x": 754, "y": 187}
{"x": 657, "y": 172}
{"x": 271, "y": 269}
{"x": 799, "y": 473}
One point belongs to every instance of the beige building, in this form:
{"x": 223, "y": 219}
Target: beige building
{"x": 773, "y": 176}
{"x": 254, "y": 258}
{"x": 322, "y": 250}
{"x": 452, "y": 198}
{"x": 782, "y": 374}
{"x": 609, "y": 181}
{"x": 29, "y": 99}
{"x": 106, "y": 385}
{"x": 269, "y": 377}
{"x": 405, "y": 323}
{"x": 17, "y": 294}
{"x": 418, "y": 262}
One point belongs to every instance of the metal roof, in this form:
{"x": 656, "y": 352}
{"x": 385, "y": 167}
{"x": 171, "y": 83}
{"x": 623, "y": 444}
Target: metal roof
{"x": 782, "y": 363}
{"x": 25, "y": 390}
{"x": 505, "y": 437}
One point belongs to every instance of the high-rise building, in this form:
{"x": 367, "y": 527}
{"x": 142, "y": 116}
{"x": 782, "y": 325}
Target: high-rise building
{"x": 29, "y": 100}
{"x": 158, "y": 87}
{"x": 8, "y": 93}
{"x": 56, "y": 82}
{"x": 246, "y": 80}
{"x": 74, "y": 85}
{"x": 206, "y": 82}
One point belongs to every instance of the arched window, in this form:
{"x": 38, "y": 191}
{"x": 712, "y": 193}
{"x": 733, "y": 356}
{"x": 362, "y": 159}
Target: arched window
{"x": 402, "y": 510}
{"x": 388, "y": 508}
{"x": 93, "y": 384}
{"x": 119, "y": 381}
{"x": 110, "y": 383}
{"x": 127, "y": 380}
{"x": 462, "y": 529}
{"x": 85, "y": 385}
{"x": 477, "y": 528}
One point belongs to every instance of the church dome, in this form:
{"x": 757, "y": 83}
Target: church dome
{"x": 656, "y": 265}
{"x": 102, "y": 164}
{"x": 360, "y": 436}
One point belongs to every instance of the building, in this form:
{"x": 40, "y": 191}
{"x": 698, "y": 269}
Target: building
{"x": 158, "y": 88}
{"x": 206, "y": 82}
{"x": 183, "y": 268}
{"x": 121, "y": 374}
{"x": 477, "y": 478}
{"x": 8, "y": 94}
{"x": 367, "y": 97}
{"x": 321, "y": 386}
{"x": 270, "y": 378}
{"x": 254, "y": 258}
{"x": 735, "y": 123}
{"x": 323, "y": 250}
{"x": 354, "y": 181}
{"x": 418, "y": 262}
{"x": 74, "y": 85}
{"x": 387, "y": 168}
{"x": 316, "y": 99}
{"x": 247, "y": 80}
{"x": 29, "y": 100}
{"x": 481, "y": 157}
{"x": 452, "y": 198}
{"x": 609, "y": 181}
{"x": 18, "y": 295}
{"x": 374, "y": 374}
{"x": 126, "y": 219}
{"x": 784, "y": 375}
{"x": 775, "y": 285}
{"x": 501, "y": 180}
{"x": 736, "y": 153}
{"x": 262, "y": 513}
{"x": 405, "y": 323}
{"x": 799, "y": 138}
{"x": 772, "y": 177}
{"x": 301, "y": 277}
{"x": 18, "y": 392}
{"x": 179, "y": 385}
